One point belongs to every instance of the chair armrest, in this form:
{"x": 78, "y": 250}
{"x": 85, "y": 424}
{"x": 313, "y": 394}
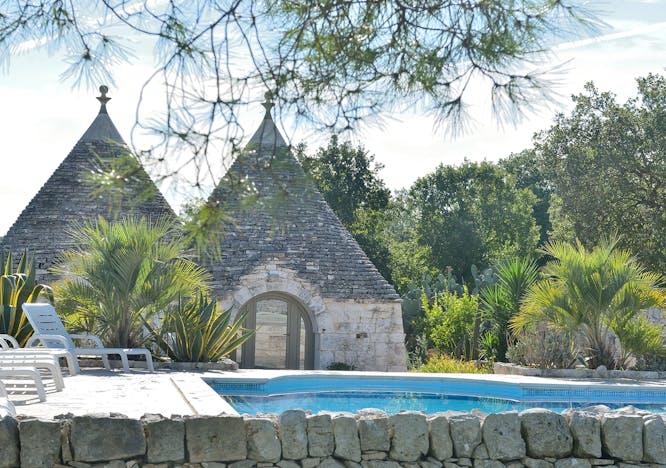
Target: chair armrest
{"x": 94, "y": 338}
{"x": 37, "y": 338}
{"x": 9, "y": 340}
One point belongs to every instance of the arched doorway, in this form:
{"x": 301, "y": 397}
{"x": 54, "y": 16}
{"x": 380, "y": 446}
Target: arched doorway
{"x": 284, "y": 336}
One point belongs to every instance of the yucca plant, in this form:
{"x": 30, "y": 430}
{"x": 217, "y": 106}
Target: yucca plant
{"x": 595, "y": 294}
{"x": 123, "y": 274}
{"x": 195, "y": 331}
{"x": 18, "y": 286}
{"x": 501, "y": 300}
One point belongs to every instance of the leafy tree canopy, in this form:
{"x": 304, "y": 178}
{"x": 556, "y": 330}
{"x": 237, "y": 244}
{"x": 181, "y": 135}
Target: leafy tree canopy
{"x": 473, "y": 215}
{"x": 607, "y": 164}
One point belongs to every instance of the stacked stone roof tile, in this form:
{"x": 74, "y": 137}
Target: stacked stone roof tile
{"x": 277, "y": 216}
{"x": 69, "y": 198}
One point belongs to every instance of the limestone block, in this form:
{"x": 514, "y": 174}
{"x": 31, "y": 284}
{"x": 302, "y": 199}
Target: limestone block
{"x": 488, "y": 464}
{"x": 546, "y": 434}
{"x": 654, "y": 439}
{"x": 409, "y": 436}
{"x": 501, "y": 435}
{"x": 106, "y": 437}
{"x": 622, "y": 436}
{"x": 40, "y": 442}
{"x": 586, "y": 431}
{"x": 293, "y": 434}
{"x": 534, "y": 463}
{"x": 373, "y": 431}
{"x": 345, "y": 432}
{"x": 330, "y": 463}
{"x": 320, "y": 435}
{"x": 465, "y": 434}
{"x": 263, "y": 444}
{"x": 380, "y": 464}
{"x": 441, "y": 445}
{"x": 165, "y": 439}
{"x": 9, "y": 443}
{"x": 215, "y": 438}
{"x": 572, "y": 463}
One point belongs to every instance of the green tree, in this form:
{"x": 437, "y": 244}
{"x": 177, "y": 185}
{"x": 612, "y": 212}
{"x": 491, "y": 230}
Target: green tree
{"x": 473, "y": 215}
{"x": 595, "y": 293}
{"x": 348, "y": 178}
{"x": 122, "y": 275}
{"x": 449, "y": 322}
{"x": 607, "y": 163}
{"x": 528, "y": 172}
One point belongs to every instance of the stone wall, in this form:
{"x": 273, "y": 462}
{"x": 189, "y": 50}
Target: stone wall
{"x": 370, "y": 439}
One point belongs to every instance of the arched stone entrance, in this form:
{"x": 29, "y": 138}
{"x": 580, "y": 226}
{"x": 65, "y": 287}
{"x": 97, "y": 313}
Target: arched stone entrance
{"x": 284, "y": 336}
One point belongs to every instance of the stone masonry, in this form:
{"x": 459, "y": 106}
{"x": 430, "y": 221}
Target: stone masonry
{"x": 370, "y": 439}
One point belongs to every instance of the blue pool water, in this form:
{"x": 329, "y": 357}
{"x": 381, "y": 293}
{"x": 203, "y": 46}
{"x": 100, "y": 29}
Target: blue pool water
{"x": 430, "y": 395}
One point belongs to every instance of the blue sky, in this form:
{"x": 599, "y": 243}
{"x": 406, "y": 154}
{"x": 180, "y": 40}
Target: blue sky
{"x": 42, "y": 117}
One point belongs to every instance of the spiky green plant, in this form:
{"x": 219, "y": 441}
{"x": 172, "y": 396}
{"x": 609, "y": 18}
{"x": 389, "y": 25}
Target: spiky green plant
{"x": 593, "y": 294}
{"x": 195, "y": 331}
{"x": 18, "y": 286}
{"x": 123, "y": 274}
{"x": 501, "y": 300}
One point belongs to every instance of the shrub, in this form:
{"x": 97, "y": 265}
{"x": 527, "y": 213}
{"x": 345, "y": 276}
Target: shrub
{"x": 441, "y": 363}
{"x": 340, "y": 366}
{"x": 544, "y": 348}
{"x": 449, "y": 322}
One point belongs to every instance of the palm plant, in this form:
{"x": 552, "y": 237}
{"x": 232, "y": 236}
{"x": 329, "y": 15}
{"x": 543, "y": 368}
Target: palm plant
{"x": 124, "y": 274}
{"x": 594, "y": 294}
{"x": 195, "y": 331}
{"x": 501, "y": 300}
{"x": 18, "y": 286}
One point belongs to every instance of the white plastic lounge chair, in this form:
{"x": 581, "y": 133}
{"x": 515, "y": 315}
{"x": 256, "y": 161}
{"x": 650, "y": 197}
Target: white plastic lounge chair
{"x": 51, "y": 333}
{"x": 8, "y": 344}
{"x": 12, "y": 374}
{"x": 6, "y": 406}
{"x": 47, "y": 364}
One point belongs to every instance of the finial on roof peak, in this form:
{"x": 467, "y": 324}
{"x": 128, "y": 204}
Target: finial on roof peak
{"x": 103, "y": 99}
{"x": 268, "y": 103}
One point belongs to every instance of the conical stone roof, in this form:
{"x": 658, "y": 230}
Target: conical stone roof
{"x": 277, "y": 216}
{"x": 69, "y": 197}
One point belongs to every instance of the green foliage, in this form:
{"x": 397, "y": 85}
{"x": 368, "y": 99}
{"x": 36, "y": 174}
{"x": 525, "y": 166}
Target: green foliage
{"x": 592, "y": 293}
{"x": 195, "y": 331}
{"x": 124, "y": 274}
{"x": 18, "y": 286}
{"x": 449, "y": 322}
{"x": 606, "y": 161}
{"x": 444, "y": 364}
{"x": 501, "y": 301}
{"x": 544, "y": 348}
{"x": 340, "y": 366}
{"x": 473, "y": 215}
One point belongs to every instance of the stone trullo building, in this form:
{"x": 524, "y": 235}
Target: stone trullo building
{"x": 310, "y": 292}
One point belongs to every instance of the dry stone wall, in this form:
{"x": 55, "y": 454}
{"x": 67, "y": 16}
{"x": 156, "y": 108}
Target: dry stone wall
{"x": 535, "y": 438}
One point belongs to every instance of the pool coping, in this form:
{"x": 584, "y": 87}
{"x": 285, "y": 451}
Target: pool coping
{"x": 204, "y": 400}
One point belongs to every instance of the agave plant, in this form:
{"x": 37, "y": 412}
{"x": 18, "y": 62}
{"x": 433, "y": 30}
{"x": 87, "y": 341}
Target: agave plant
{"x": 195, "y": 331}
{"x": 18, "y": 286}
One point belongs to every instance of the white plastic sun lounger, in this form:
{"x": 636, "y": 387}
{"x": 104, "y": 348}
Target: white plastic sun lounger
{"x": 12, "y": 374}
{"x": 51, "y": 333}
{"x": 6, "y": 406}
{"x": 9, "y": 345}
{"x": 48, "y": 364}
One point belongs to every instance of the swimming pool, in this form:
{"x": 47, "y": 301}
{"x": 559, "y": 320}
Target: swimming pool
{"x": 430, "y": 394}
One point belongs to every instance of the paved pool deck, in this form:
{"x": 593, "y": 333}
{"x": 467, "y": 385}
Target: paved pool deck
{"x": 169, "y": 393}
